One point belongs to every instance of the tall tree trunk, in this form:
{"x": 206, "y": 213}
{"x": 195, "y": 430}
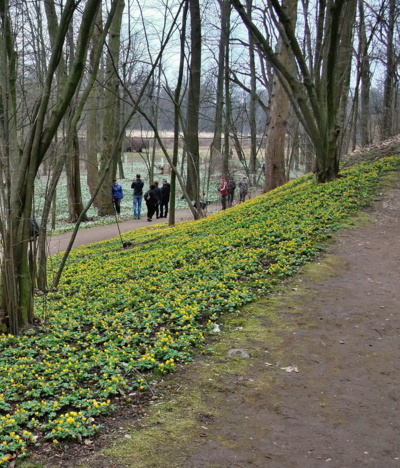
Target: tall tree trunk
{"x": 111, "y": 118}
{"x": 365, "y": 75}
{"x": 275, "y": 171}
{"x": 75, "y": 204}
{"x": 192, "y": 119}
{"x": 344, "y": 72}
{"x": 228, "y": 101}
{"x": 93, "y": 128}
{"x": 216, "y": 145}
{"x": 253, "y": 100}
{"x": 74, "y": 190}
{"x": 155, "y": 105}
{"x": 390, "y": 75}
{"x": 177, "y": 113}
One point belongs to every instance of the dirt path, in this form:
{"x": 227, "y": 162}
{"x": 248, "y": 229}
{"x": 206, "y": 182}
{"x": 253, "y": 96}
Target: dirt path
{"x": 342, "y": 407}
{"x": 337, "y": 324}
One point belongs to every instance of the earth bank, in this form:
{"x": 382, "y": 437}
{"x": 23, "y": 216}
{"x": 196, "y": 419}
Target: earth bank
{"x": 321, "y": 386}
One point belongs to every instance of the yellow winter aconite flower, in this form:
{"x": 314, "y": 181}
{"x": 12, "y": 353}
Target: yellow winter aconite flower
{"x": 109, "y": 326}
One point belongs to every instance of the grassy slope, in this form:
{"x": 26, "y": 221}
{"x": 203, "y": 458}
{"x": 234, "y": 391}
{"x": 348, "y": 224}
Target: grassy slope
{"x": 121, "y": 317}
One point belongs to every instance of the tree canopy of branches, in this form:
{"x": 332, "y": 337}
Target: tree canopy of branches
{"x": 318, "y": 87}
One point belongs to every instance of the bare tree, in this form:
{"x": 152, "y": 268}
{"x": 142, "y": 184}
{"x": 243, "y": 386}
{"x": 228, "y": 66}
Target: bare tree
{"x": 20, "y": 160}
{"x": 111, "y": 112}
{"x": 390, "y": 74}
{"x": 93, "y": 127}
{"x": 365, "y": 77}
{"x": 316, "y": 94}
{"x": 177, "y": 115}
{"x": 220, "y": 100}
{"x": 275, "y": 169}
{"x": 253, "y": 99}
{"x": 193, "y": 105}
{"x": 227, "y": 86}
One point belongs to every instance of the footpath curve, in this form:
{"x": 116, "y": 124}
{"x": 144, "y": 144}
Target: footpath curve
{"x": 88, "y": 235}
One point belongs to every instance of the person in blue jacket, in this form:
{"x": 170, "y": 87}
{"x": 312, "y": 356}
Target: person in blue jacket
{"x": 117, "y": 195}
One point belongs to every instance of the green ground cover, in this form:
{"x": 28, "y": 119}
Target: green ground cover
{"x": 121, "y": 317}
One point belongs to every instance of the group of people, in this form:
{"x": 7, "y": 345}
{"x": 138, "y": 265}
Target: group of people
{"x": 227, "y": 191}
{"x": 156, "y": 198}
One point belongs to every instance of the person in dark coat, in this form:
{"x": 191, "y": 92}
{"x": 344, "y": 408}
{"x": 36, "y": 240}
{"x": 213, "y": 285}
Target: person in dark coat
{"x": 151, "y": 202}
{"x": 243, "y": 187}
{"x": 137, "y": 186}
{"x": 232, "y": 188}
{"x": 157, "y": 191}
{"x": 117, "y": 195}
{"x": 165, "y": 192}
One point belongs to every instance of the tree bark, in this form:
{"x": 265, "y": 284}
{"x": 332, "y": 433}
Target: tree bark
{"x": 177, "y": 113}
{"x": 253, "y": 100}
{"x": 93, "y": 128}
{"x": 227, "y": 85}
{"x": 216, "y": 145}
{"x": 365, "y": 75}
{"x": 275, "y": 172}
{"x": 390, "y": 75}
{"x": 192, "y": 119}
{"x": 111, "y": 118}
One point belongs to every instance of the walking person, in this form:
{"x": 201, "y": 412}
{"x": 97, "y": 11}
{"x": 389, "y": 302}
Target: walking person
{"x": 243, "y": 189}
{"x": 224, "y": 191}
{"x": 232, "y": 188}
{"x": 157, "y": 191}
{"x": 151, "y": 202}
{"x": 137, "y": 186}
{"x": 117, "y": 195}
{"x": 165, "y": 192}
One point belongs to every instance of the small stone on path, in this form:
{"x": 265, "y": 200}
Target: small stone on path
{"x": 238, "y": 354}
